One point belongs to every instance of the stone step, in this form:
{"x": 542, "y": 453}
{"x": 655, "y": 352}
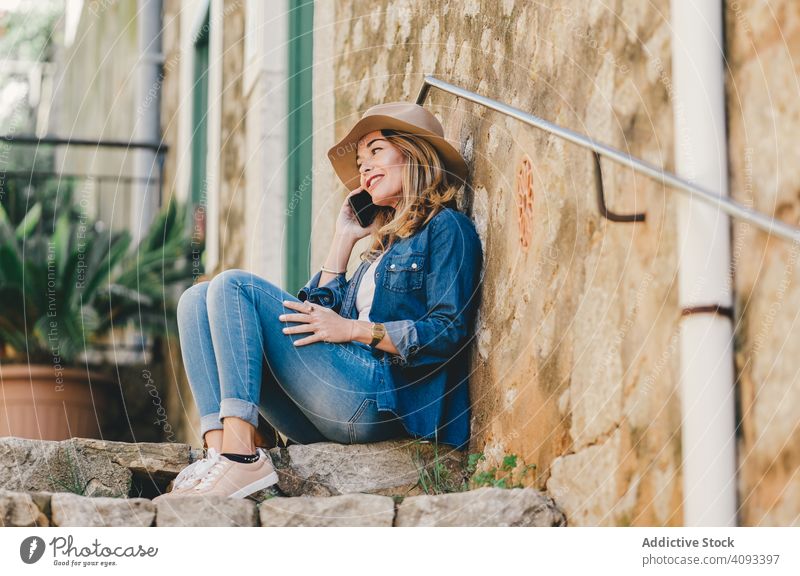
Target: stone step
{"x": 481, "y": 507}
{"x": 119, "y": 469}
{"x": 85, "y": 482}
{"x": 91, "y": 467}
{"x": 389, "y": 468}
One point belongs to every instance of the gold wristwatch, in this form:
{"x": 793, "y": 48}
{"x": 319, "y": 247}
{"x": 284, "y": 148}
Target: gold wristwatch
{"x": 378, "y": 332}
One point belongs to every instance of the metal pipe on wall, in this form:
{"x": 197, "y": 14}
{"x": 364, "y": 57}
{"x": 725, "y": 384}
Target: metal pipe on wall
{"x": 147, "y": 124}
{"x": 706, "y": 336}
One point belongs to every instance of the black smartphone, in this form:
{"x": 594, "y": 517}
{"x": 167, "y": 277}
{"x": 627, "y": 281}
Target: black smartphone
{"x": 363, "y": 208}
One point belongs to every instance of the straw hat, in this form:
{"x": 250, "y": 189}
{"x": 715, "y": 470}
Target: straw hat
{"x": 402, "y": 116}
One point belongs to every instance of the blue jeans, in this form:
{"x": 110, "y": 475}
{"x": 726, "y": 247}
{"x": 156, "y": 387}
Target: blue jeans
{"x": 240, "y": 363}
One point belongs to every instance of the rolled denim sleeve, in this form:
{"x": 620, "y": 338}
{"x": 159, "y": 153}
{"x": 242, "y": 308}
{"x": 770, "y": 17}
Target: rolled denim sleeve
{"x": 403, "y": 335}
{"x": 331, "y": 295}
{"x": 452, "y": 285}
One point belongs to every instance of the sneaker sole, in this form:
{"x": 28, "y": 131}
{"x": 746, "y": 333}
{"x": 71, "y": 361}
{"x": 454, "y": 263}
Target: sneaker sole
{"x": 260, "y": 484}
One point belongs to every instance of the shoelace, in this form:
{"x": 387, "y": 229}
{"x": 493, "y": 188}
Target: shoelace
{"x": 211, "y": 475}
{"x": 192, "y": 473}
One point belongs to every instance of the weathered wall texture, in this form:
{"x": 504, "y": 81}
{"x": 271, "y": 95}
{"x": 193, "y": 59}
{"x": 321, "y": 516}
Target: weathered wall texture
{"x": 764, "y": 121}
{"x": 575, "y": 362}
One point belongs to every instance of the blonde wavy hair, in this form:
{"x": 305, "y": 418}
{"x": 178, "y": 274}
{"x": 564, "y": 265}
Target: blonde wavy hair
{"x": 427, "y": 190}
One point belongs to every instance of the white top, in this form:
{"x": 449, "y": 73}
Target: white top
{"x": 366, "y": 290}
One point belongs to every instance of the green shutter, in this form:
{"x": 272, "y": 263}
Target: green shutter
{"x": 298, "y": 197}
{"x": 200, "y": 135}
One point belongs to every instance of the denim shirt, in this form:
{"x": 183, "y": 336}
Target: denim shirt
{"x": 427, "y": 291}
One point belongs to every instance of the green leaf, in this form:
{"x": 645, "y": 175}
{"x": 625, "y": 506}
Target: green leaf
{"x": 103, "y": 263}
{"x": 71, "y": 282}
{"x": 473, "y": 459}
{"x": 11, "y": 265}
{"x": 28, "y": 223}
{"x": 484, "y": 478}
{"x": 14, "y": 322}
{"x": 6, "y": 229}
{"x": 509, "y": 462}
{"x": 61, "y": 242}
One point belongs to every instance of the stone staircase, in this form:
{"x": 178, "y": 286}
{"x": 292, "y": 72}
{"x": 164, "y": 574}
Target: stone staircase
{"x": 85, "y": 482}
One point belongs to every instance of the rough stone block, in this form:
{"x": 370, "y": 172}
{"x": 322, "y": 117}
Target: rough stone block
{"x": 389, "y": 468}
{"x": 74, "y": 510}
{"x": 344, "y": 510}
{"x": 481, "y": 507}
{"x": 86, "y": 466}
{"x": 588, "y": 499}
{"x": 17, "y": 509}
{"x": 205, "y": 511}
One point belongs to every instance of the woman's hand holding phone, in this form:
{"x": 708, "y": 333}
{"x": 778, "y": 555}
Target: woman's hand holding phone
{"x": 347, "y": 224}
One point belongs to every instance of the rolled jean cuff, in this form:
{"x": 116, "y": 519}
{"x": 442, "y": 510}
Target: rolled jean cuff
{"x": 210, "y": 422}
{"x": 237, "y": 408}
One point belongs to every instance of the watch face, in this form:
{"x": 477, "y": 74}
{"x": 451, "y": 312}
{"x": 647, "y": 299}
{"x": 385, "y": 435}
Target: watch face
{"x": 378, "y": 332}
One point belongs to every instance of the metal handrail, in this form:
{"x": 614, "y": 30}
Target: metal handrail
{"x": 26, "y": 139}
{"x": 731, "y": 207}
{"x": 34, "y": 176}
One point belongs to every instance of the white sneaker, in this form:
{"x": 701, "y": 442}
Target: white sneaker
{"x": 235, "y": 479}
{"x": 190, "y": 476}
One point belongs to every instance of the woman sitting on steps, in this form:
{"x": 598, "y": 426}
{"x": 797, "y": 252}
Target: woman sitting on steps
{"x": 381, "y": 356}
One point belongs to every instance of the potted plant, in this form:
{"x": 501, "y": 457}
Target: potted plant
{"x": 66, "y": 282}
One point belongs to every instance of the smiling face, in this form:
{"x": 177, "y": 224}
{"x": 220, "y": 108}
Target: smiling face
{"x": 381, "y": 165}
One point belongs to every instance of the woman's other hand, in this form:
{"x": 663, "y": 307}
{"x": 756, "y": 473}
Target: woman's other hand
{"x": 347, "y": 225}
{"x": 324, "y": 324}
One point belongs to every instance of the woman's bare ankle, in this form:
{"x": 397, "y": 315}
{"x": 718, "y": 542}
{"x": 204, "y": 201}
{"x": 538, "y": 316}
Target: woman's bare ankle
{"x": 213, "y": 439}
{"x": 238, "y": 436}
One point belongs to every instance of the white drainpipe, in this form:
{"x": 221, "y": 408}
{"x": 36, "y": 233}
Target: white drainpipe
{"x": 144, "y": 202}
{"x": 147, "y": 128}
{"x": 706, "y": 338}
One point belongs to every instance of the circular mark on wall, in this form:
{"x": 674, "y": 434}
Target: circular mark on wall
{"x": 523, "y": 197}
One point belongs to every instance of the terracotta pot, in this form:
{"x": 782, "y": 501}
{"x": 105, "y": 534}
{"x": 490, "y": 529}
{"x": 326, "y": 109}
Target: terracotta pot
{"x": 48, "y": 403}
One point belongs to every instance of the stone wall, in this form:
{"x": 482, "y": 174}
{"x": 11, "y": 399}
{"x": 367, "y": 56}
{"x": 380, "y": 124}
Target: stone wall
{"x": 764, "y": 120}
{"x": 574, "y": 365}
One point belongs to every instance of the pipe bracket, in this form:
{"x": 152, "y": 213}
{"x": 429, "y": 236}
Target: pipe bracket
{"x": 718, "y": 309}
{"x": 601, "y": 198}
